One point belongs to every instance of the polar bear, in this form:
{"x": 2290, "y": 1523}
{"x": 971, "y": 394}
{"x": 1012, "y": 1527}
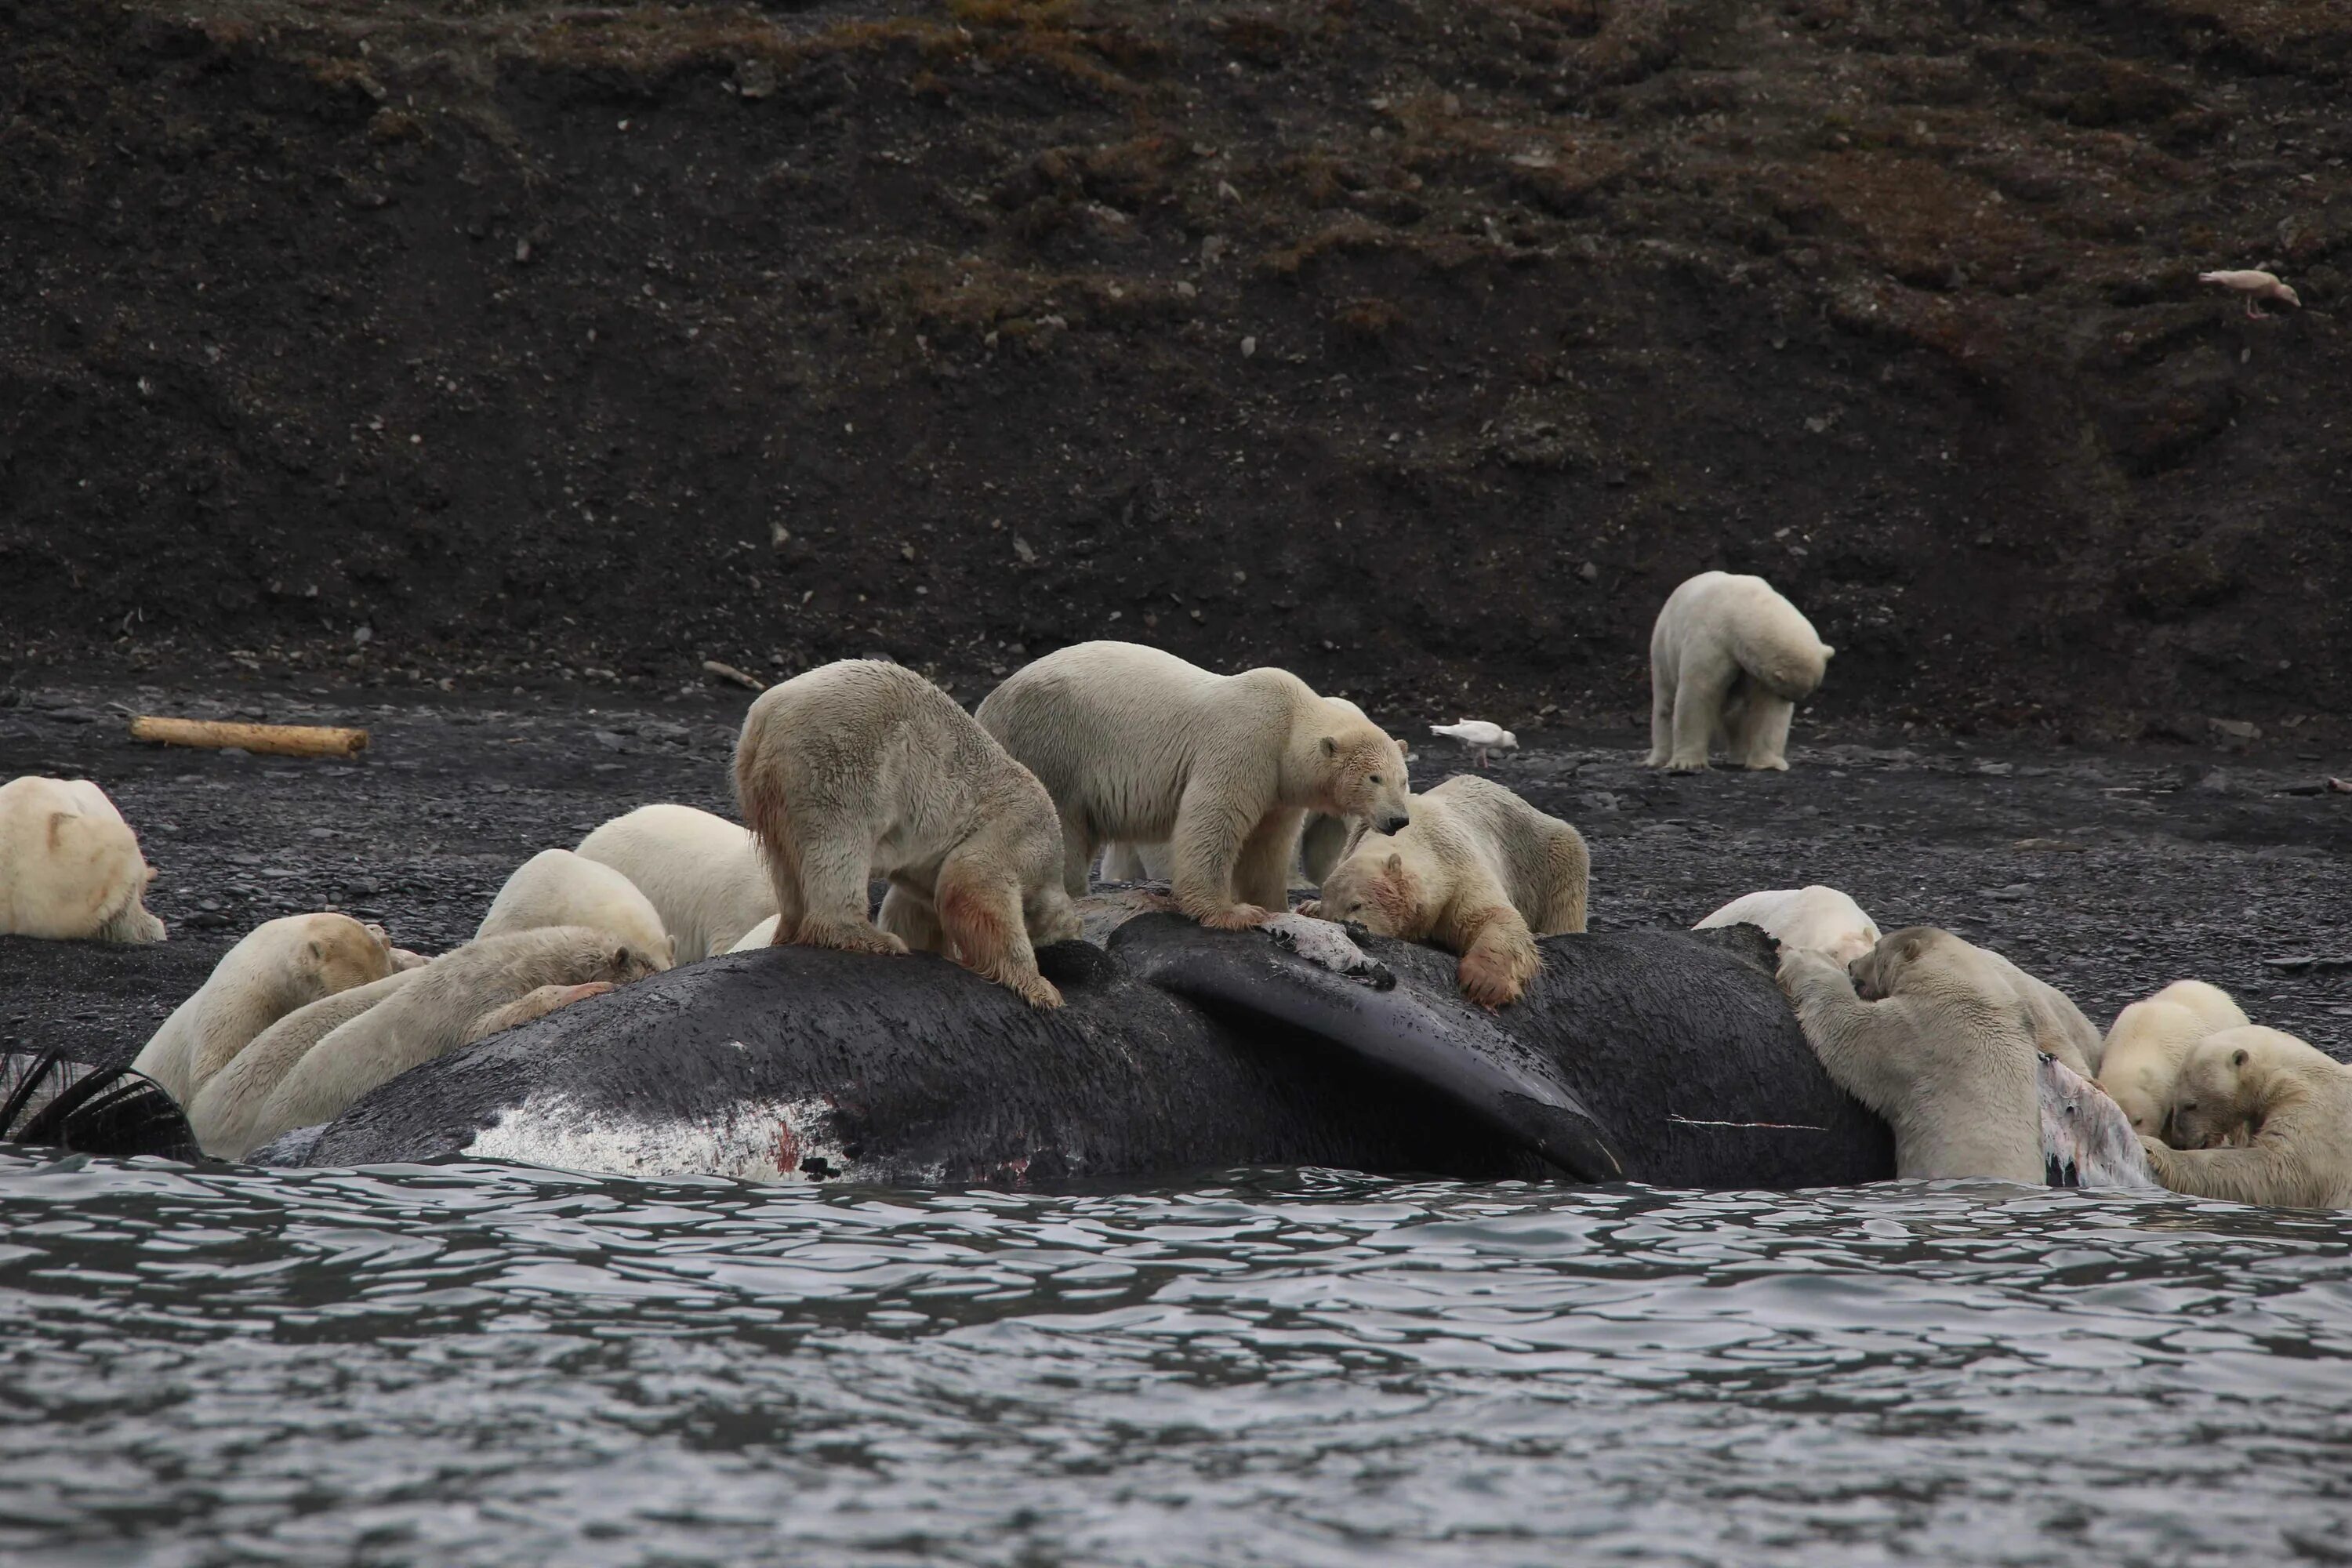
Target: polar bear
{"x": 1136, "y": 745}
{"x": 558, "y": 887}
{"x": 1322, "y": 844}
{"x": 863, "y": 766}
{"x": 280, "y": 965}
{"x": 429, "y": 1015}
{"x": 701, "y": 872}
{"x": 226, "y": 1109}
{"x": 2058, "y": 1025}
{"x": 1729, "y": 661}
{"x": 2149, "y": 1040}
{"x": 1926, "y": 1030}
{"x": 69, "y": 865}
{"x": 1478, "y": 871}
{"x": 1819, "y": 918}
{"x": 2286, "y": 1108}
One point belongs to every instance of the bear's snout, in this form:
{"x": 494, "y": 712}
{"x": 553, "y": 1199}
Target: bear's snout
{"x": 1395, "y": 824}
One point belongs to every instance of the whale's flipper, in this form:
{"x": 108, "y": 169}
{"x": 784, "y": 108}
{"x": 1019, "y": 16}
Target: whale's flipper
{"x": 1456, "y": 1054}
{"x": 50, "y": 1101}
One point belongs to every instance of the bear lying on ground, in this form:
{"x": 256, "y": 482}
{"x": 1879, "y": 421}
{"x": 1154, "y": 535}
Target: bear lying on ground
{"x": 280, "y": 965}
{"x": 862, "y": 766}
{"x": 1729, "y": 661}
{"x": 1478, "y": 871}
{"x": 1137, "y": 746}
{"x": 2264, "y": 1118}
{"x": 69, "y": 865}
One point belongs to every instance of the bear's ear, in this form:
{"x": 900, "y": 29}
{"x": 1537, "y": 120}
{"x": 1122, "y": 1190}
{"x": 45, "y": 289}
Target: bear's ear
{"x": 1330, "y": 746}
{"x": 1395, "y": 868}
{"x": 2239, "y": 1058}
{"x": 318, "y": 951}
{"x": 620, "y": 958}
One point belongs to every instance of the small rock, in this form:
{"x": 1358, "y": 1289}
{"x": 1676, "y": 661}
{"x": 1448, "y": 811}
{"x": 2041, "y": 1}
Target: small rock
{"x": 607, "y": 738}
{"x": 1589, "y": 572}
{"x": 1021, "y": 548}
{"x": 2236, "y": 729}
{"x": 1249, "y": 347}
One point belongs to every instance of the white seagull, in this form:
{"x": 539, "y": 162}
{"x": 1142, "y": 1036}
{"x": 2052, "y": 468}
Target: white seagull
{"x": 1480, "y": 736}
{"x": 2254, "y": 286}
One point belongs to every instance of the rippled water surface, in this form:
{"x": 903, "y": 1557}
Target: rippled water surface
{"x": 479, "y": 1364}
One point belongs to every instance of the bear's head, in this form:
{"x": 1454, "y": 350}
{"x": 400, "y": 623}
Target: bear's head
{"x": 2231, "y": 1081}
{"x": 1928, "y": 960}
{"x": 1358, "y": 774}
{"x": 622, "y": 962}
{"x": 1793, "y": 674}
{"x": 1375, "y": 889}
{"x": 339, "y": 952}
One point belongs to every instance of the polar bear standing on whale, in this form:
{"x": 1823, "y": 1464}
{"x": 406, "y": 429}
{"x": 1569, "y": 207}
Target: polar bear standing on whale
{"x": 1729, "y": 662}
{"x": 864, "y": 766}
{"x": 1137, "y": 746}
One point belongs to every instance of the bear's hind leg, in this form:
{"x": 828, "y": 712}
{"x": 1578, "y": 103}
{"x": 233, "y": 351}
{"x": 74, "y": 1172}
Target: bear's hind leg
{"x": 833, "y": 884}
{"x": 1078, "y": 848}
{"x": 981, "y": 913}
{"x": 1661, "y": 714}
{"x": 911, "y": 918}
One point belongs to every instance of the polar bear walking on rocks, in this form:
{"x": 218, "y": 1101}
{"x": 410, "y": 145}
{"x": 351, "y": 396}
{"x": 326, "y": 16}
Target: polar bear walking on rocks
{"x": 279, "y": 966}
{"x": 1478, "y": 871}
{"x": 69, "y": 865}
{"x": 2149, "y": 1040}
{"x": 1729, "y": 662}
{"x": 702, "y": 873}
{"x": 1927, "y": 1031}
{"x": 1819, "y": 918}
{"x": 864, "y": 766}
{"x": 558, "y": 887}
{"x": 1137, "y": 746}
{"x": 2264, "y": 1118}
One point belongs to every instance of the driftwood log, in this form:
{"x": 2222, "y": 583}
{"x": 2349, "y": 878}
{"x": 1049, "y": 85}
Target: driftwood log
{"x": 276, "y": 740}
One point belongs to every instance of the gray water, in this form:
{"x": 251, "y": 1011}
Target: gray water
{"x": 481, "y": 1364}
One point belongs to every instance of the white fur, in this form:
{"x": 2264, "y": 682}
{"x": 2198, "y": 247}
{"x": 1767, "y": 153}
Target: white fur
{"x": 282, "y": 965}
{"x": 701, "y": 872}
{"x": 1137, "y": 746}
{"x": 1729, "y": 661}
{"x": 760, "y": 936}
{"x": 225, "y": 1112}
{"x": 558, "y": 887}
{"x": 1941, "y": 1048}
{"x": 69, "y": 865}
{"x": 1815, "y": 917}
{"x": 430, "y": 1014}
{"x": 2267, "y": 1119}
{"x": 2149, "y": 1040}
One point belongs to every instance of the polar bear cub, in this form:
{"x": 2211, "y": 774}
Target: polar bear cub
{"x": 1815, "y": 917}
{"x": 558, "y": 887}
{"x": 2264, "y": 1118}
{"x": 429, "y": 1013}
{"x": 280, "y": 965}
{"x": 1928, "y": 1032}
{"x": 1729, "y": 661}
{"x": 1137, "y": 746}
{"x": 69, "y": 865}
{"x": 701, "y": 872}
{"x": 864, "y": 766}
{"x": 1478, "y": 871}
{"x": 2152, "y": 1038}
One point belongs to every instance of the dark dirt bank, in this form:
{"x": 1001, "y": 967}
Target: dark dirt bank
{"x": 2109, "y": 874}
{"x": 1420, "y": 346}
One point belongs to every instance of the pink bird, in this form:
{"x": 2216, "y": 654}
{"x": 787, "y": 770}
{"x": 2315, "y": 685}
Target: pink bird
{"x": 2254, "y": 286}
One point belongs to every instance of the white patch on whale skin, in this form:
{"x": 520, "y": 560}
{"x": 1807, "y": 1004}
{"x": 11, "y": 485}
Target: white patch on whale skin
{"x": 2087, "y": 1138}
{"x": 751, "y": 1140}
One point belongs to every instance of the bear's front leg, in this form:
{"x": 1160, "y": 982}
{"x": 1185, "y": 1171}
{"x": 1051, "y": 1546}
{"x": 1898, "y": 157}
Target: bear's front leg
{"x": 981, "y": 913}
{"x": 833, "y": 888}
{"x": 1498, "y": 957}
{"x": 1262, "y": 874}
{"x": 1206, "y": 845}
{"x": 1762, "y": 735}
{"x": 1698, "y": 711}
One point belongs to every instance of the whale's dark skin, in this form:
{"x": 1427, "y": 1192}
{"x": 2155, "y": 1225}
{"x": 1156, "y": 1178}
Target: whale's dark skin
{"x": 804, "y": 1062}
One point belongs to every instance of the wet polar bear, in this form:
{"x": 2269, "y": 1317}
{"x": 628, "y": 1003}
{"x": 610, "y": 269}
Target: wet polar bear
{"x": 1928, "y": 1032}
{"x": 701, "y": 872}
{"x": 2265, "y": 1118}
{"x": 862, "y": 766}
{"x": 279, "y": 966}
{"x": 1815, "y": 917}
{"x": 1137, "y": 746}
{"x": 2143, "y": 1051}
{"x": 69, "y": 865}
{"x": 430, "y": 1014}
{"x": 1729, "y": 661}
{"x": 558, "y": 887}
{"x": 1478, "y": 871}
